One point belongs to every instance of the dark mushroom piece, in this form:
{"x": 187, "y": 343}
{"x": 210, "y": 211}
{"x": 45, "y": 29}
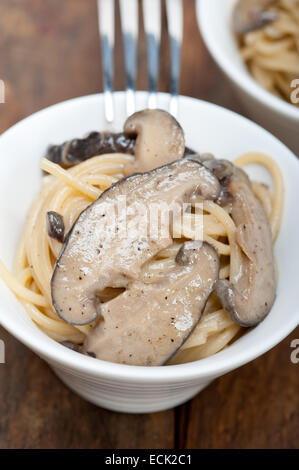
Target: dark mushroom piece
{"x": 55, "y": 226}
{"x": 222, "y": 169}
{"x": 250, "y": 15}
{"x": 148, "y": 323}
{"x": 70, "y": 345}
{"x": 189, "y": 151}
{"x": 98, "y": 253}
{"x": 96, "y": 143}
{"x": 159, "y": 139}
{"x": 249, "y": 298}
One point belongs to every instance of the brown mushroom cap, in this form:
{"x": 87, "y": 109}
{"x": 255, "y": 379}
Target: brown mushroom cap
{"x": 249, "y": 297}
{"x": 148, "y": 323}
{"x": 249, "y": 15}
{"x": 160, "y": 139}
{"x": 98, "y": 254}
{"x": 74, "y": 151}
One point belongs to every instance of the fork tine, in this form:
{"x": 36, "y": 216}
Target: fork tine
{"x": 174, "y": 11}
{"x": 129, "y": 22}
{"x": 106, "y": 30}
{"x": 152, "y": 26}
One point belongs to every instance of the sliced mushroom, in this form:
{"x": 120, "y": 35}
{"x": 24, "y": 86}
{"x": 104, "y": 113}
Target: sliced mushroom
{"x": 55, "y": 226}
{"x": 160, "y": 139}
{"x": 96, "y": 143}
{"x": 98, "y": 253}
{"x": 250, "y": 296}
{"x": 148, "y": 323}
{"x": 153, "y": 136}
{"x": 250, "y": 15}
{"x": 222, "y": 169}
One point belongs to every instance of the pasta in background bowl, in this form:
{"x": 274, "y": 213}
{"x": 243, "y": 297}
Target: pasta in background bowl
{"x": 262, "y": 98}
{"x": 269, "y": 44}
{"x": 117, "y": 386}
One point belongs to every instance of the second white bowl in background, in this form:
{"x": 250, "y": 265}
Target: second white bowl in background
{"x": 276, "y": 115}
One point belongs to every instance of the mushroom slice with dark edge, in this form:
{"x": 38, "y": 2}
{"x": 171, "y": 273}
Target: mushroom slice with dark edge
{"x": 223, "y": 170}
{"x": 250, "y": 15}
{"x": 249, "y": 298}
{"x": 98, "y": 252}
{"x": 160, "y": 139}
{"x": 148, "y": 323}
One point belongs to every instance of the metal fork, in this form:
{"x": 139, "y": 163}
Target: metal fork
{"x": 152, "y": 25}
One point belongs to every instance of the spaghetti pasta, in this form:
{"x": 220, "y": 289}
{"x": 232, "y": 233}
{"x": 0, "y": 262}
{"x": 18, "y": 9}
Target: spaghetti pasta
{"x": 272, "y": 52}
{"x": 69, "y": 192}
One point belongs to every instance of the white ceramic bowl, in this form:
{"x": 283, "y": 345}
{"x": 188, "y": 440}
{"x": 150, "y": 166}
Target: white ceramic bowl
{"x": 279, "y": 117}
{"x": 208, "y": 128}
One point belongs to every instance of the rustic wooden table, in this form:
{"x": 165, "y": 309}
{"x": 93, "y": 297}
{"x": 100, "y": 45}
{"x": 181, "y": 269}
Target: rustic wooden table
{"x": 49, "y": 52}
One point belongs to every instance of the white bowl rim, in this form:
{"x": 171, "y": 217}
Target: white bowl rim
{"x": 209, "y": 367}
{"x": 248, "y": 83}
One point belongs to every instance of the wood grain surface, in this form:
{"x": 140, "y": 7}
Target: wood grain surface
{"x": 49, "y": 52}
